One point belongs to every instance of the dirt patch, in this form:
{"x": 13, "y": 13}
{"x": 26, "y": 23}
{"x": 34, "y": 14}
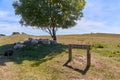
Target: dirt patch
{"x": 78, "y": 62}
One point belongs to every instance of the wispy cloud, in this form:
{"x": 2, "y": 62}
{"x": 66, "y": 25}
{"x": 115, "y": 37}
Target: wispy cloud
{"x": 84, "y": 26}
{"x": 99, "y": 16}
{"x": 8, "y": 28}
{"x": 3, "y": 14}
{"x": 8, "y": 16}
{"x": 89, "y": 23}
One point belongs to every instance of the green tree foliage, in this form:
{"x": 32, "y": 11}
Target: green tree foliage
{"x": 49, "y": 15}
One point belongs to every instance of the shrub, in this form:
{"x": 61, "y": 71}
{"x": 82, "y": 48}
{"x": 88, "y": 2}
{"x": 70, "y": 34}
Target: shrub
{"x": 23, "y": 33}
{"x": 97, "y": 45}
{"x": 118, "y": 45}
{"x": 2, "y": 34}
{"x": 15, "y": 33}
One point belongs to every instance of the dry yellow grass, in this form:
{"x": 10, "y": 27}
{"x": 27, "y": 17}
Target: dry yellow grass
{"x": 105, "y": 64}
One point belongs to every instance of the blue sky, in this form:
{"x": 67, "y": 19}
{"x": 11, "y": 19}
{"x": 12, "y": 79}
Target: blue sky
{"x": 100, "y": 16}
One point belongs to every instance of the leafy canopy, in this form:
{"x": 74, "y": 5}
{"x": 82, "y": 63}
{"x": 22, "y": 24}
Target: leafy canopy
{"x": 49, "y": 13}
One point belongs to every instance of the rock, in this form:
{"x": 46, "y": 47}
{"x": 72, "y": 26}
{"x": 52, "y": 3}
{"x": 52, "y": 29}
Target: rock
{"x": 17, "y": 46}
{"x": 17, "y": 43}
{"x": 27, "y": 42}
{"x": 45, "y": 41}
{"x": 53, "y": 42}
{"x": 8, "y": 53}
{"x": 39, "y": 41}
{"x": 34, "y": 41}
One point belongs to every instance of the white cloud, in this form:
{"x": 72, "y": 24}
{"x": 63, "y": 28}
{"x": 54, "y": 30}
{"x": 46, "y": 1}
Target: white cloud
{"x": 84, "y": 26}
{"x": 8, "y": 16}
{"x": 8, "y": 28}
{"x": 90, "y": 23}
{"x": 3, "y": 14}
{"x": 99, "y": 16}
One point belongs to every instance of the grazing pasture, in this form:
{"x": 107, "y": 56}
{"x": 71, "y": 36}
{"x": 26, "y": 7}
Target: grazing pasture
{"x": 46, "y": 62}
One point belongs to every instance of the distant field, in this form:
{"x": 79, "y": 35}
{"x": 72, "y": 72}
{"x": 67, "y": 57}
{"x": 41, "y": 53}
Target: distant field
{"x": 46, "y": 62}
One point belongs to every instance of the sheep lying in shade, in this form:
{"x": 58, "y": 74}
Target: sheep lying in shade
{"x": 8, "y": 53}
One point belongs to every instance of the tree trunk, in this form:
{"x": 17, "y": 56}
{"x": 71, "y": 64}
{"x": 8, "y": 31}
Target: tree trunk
{"x": 54, "y": 34}
{"x": 51, "y": 31}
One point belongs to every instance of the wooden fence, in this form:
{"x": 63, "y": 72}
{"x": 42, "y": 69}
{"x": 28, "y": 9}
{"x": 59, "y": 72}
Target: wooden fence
{"x": 76, "y": 46}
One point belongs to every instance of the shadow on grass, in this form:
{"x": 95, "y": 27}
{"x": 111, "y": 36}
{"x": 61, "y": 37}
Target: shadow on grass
{"x": 4, "y": 59}
{"x": 37, "y": 53}
{"x": 83, "y": 72}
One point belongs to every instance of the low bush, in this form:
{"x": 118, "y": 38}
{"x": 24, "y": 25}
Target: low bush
{"x": 118, "y": 45}
{"x": 2, "y": 34}
{"x": 15, "y": 33}
{"x": 97, "y": 45}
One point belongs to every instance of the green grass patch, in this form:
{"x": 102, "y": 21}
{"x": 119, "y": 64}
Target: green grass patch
{"x": 98, "y": 45}
{"x": 39, "y": 53}
{"x": 45, "y": 62}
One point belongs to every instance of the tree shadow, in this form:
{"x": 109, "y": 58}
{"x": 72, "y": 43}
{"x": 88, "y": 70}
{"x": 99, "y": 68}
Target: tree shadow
{"x": 4, "y": 59}
{"x": 83, "y": 72}
{"x": 38, "y": 53}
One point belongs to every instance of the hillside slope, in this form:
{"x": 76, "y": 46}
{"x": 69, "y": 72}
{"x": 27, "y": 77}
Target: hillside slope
{"x": 46, "y": 62}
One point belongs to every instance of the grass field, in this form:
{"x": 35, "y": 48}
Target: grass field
{"x": 46, "y": 62}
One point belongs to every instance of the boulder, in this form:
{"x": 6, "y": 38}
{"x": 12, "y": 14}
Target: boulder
{"x": 45, "y": 41}
{"x": 17, "y": 46}
{"x": 40, "y": 41}
{"x": 27, "y": 42}
{"x": 53, "y": 42}
{"x": 34, "y": 41}
{"x": 17, "y": 43}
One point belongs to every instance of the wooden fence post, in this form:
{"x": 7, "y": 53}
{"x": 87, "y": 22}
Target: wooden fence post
{"x": 70, "y": 52}
{"x": 88, "y": 56}
{"x": 87, "y": 47}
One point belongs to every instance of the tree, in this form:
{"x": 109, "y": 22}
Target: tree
{"x": 49, "y": 15}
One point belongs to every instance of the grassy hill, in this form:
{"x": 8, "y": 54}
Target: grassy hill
{"x": 46, "y": 62}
